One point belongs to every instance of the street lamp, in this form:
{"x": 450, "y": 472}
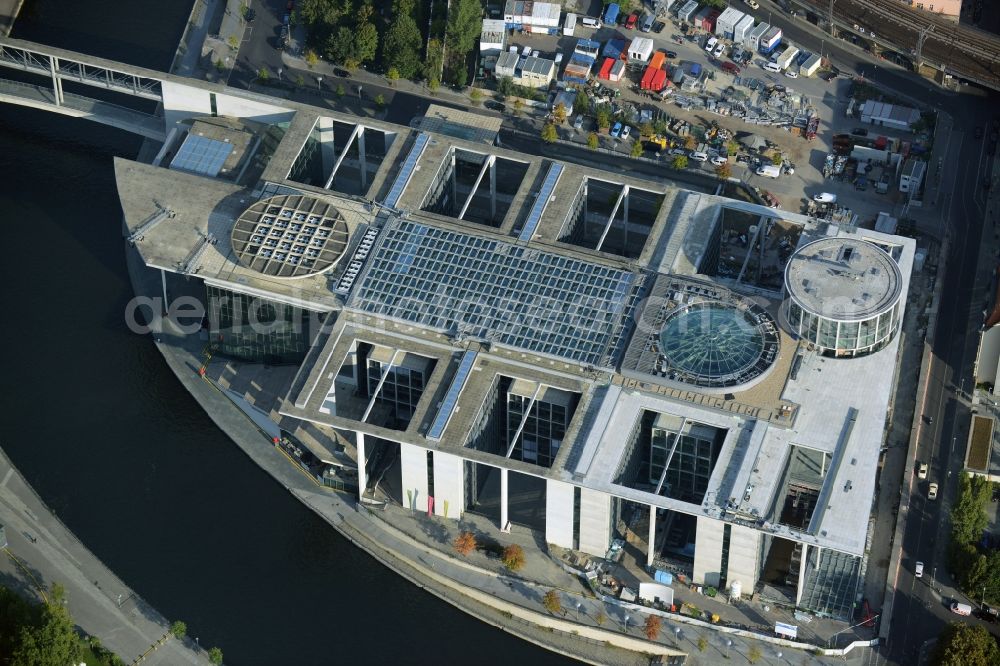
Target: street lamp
{"x": 579, "y": 609}
{"x": 319, "y": 82}
{"x": 729, "y": 644}
{"x": 626, "y": 618}
{"x": 359, "y": 92}
{"x": 279, "y": 74}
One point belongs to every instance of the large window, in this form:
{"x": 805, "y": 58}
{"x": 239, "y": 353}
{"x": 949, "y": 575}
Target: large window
{"x": 256, "y": 329}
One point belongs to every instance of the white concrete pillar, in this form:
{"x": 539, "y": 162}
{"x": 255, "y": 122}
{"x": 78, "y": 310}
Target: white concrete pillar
{"x": 802, "y": 574}
{"x": 504, "y": 516}
{"x": 651, "y": 541}
{"x": 559, "y": 513}
{"x": 327, "y": 146}
{"x": 449, "y": 485}
{"x": 744, "y": 557}
{"x": 493, "y": 189}
{"x": 413, "y": 461}
{"x": 595, "y": 521}
{"x": 708, "y": 552}
{"x": 362, "y": 475}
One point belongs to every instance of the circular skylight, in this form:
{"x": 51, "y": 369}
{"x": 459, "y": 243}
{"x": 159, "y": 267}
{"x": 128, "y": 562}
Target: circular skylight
{"x": 718, "y": 344}
{"x": 290, "y": 236}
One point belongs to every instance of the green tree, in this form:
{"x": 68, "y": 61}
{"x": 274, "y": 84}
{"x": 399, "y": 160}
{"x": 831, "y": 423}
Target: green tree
{"x": 777, "y": 159}
{"x": 300, "y": 80}
{"x": 637, "y": 149}
{"x": 234, "y": 42}
{"x": 549, "y": 134}
{"x": 968, "y": 517}
{"x": 679, "y": 162}
{"x": 380, "y": 100}
{"x": 518, "y": 106}
{"x": 552, "y": 602}
{"x": 365, "y": 41}
{"x": 593, "y": 141}
{"x": 311, "y": 58}
{"x": 582, "y": 103}
{"x": 505, "y": 86}
{"x": 47, "y": 635}
{"x": 603, "y": 117}
{"x": 600, "y": 618}
{"x": 433, "y": 62}
{"x": 215, "y": 656}
{"x": 690, "y": 142}
{"x": 754, "y": 655}
{"x": 476, "y": 96}
{"x": 513, "y": 557}
{"x": 647, "y": 129}
{"x": 392, "y": 75}
{"x": 461, "y": 32}
{"x": 433, "y": 84}
{"x": 340, "y": 46}
{"x": 402, "y": 46}
{"x": 702, "y": 644}
{"x": 965, "y": 645}
{"x": 263, "y": 74}
{"x": 179, "y": 629}
{"x": 559, "y": 113}
{"x": 340, "y": 92}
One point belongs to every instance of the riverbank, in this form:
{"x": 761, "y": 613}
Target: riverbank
{"x": 42, "y": 551}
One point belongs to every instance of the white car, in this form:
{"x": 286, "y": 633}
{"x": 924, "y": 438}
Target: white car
{"x": 710, "y": 44}
{"x": 719, "y": 50}
{"x": 922, "y": 471}
{"x": 932, "y": 491}
{"x": 698, "y": 156}
{"x": 825, "y": 197}
{"x": 578, "y": 123}
{"x": 753, "y": 4}
{"x": 918, "y": 570}
{"x": 625, "y": 131}
{"x": 719, "y": 160}
{"x": 792, "y": 74}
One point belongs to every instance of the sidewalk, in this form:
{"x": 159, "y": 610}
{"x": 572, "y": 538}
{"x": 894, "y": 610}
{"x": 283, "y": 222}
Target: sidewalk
{"x": 42, "y": 551}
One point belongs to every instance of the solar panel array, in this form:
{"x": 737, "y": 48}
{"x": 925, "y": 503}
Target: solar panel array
{"x": 496, "y": 291}
{"x": 548, "y": 186}
{"x": 451, "y": 398}
{"x": 405, "y": 171}
{"x": 201, "y": 155}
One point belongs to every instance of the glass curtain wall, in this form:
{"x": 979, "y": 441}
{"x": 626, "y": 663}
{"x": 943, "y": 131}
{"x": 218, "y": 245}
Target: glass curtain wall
{"x": 258, "y": 330}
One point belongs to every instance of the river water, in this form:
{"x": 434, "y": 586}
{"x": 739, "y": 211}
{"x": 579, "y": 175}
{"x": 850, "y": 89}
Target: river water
{"x": 102, "y": 429}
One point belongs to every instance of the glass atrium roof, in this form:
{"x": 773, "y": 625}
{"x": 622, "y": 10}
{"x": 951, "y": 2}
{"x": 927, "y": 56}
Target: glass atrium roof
{"x": 493, "y": 290}
{"x": 716, "y": 343}
{"x": 201, "y": 155}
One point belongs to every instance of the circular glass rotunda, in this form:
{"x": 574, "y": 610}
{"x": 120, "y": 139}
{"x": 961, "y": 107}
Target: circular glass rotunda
{"x": 843, "y": 296}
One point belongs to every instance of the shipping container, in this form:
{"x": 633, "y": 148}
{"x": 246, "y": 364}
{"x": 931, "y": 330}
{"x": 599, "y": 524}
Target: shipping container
{"x": 785, "y": 58}
{"x": 752, "y": 40}
{"x": 569, "y": 26}
{"x": 658, "y": 59}
{"x": 769, "y": 41}
{"x": 742, "y": 29}
{"x": 587, "y": 48}
{"x": 687, "y": 10}
{"x": 708, "y": 23}
{"x": 810, "y": 66}
{"x": 613, "y": 48}
{"x": 727, "y": 22}
{"x": 617, "y": 71}
{"x": 605, "y": 72}
{"x": 647, "y": 78}
{"x": 659, "y": 81}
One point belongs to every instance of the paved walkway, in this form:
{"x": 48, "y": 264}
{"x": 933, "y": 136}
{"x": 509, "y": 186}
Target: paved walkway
{"x": 42, "y": 551}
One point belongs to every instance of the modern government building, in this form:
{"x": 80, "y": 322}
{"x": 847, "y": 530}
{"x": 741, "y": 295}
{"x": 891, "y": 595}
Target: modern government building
{"x": 595, "y": 356}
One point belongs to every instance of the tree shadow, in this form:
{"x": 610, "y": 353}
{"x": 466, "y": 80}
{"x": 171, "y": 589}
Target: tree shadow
{"x": 433, "y": 529}
{"x": 22, "y": 583}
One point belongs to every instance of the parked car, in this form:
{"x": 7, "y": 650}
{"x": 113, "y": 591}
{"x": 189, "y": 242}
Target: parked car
{"x": 342, "y": 73}
{"x": 859, "y": 131}
{"x": 659, "y": 26}
{"x": 616, "y": 130}
{"x": 625, "y": 131}
{"x": 559, "y": 58}
{"x": 719, "y": 160}
{"x": 825, "y": 197}
{"x": 932, "y": 491}
{"x": 918, "y": 570}
{"x": 719, "y": 51}
{"x": 678, "y": 151}
{"x": 791, "y": 73}
{"x": 753, "y": 4}
{"x": 671, "y": 54}
{"x": 699, "y": 156}
{"x": 578, "y": 123}
{"x": 960, "y": 608}
{"x": 711, "y": 44}
{"x": 632, "y": 19}
{"x": 922, "y": 471}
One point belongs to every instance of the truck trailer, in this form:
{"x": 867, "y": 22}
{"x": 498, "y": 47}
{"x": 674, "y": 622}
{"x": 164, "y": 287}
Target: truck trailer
{"x": 611, "y": 14}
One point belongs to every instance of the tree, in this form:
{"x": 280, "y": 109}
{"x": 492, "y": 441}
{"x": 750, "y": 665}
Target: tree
{"x": 690, "y": 142}
{"x": 402, "y": 46}
{"x": 582, "y": 103}
{"x": 234, "y": 42}
{"x": 647, "y": 129}
{"x": 723, "y": 170}
{"x": 380, "y": 100}
{"x": 300, "y": 80}
{"x": 518, "y": 106}
{"x": 777, "y": 159}
{"x": 637, "y": 149}
{"x": 45, "y": 636}
{"x": 600, "y": 618}
{"x": 505, "y": 86}
{"x": 433, "y": 84}
{"x": 754, "y": 655}
{"x": 461, "y": 31}
{"x": 263, "y": 74}
{"x": 968, "y": 517}
{"x": 340, "y": 92}
{"x": 465, "y": 543}
{"x": 311, "y": 58}
{"x": 365, "y": 41}
{"x": 549, "y": 134}
{"x": 476, "y": 96}
{"x": 392, "y": 75}
{"x": 965, "y": 645}
{"x": 179, "y": 629}
{"x": 603, "y": 117}
{"x": 215, "y": 656}
{"x": 679, "y": 162}
{"x": 513, "y": 557}
{"x": 340, "y": 47}
{"x": 559, "y": 113}
{"x": 433, "y": 61}
{"x": 702, "y": 644}
{"x": 652, "y": 627}
{"x": 552, "y": 602}
{"x": 732, "y": 147}
{"x": 593, "y": 141}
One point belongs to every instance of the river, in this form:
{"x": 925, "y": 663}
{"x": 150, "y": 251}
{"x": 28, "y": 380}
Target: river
{"x": 102, "y": 429}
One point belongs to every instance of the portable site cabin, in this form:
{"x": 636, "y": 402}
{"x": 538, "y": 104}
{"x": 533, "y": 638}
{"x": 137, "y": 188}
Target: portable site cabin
{"x": 742, "y": 29}
{"x": 507, "y": 64}
{"x": 786, "y": 57}
{"x": 810, "y": 66}
{"x": 699, "y": 18}
{"x": 687, "y": 11}
{"x": 493, "y": 38}
{"x": 640, "y": 49}
{"x": 727, "y": 22}
{"x": 752, "y": 40}
{"x": 613, "y": 48}
{"x": 587, "y": 48}
{"x": 577, "y": 69}
{"x": 569, "y": 26}
{"x": 617, "y": 71}
{"x": 708, "y": 23}
{"x": 769, "y": 41}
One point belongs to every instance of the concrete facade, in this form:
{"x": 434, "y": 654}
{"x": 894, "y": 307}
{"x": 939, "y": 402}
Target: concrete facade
{"x": 708, "y": 552}
{"x": 413, "y": 463}
{"x": 744, "y": 557}
{"x": 595, "y": 522}
{"x": 559, "y": 510}
{"x": 449, "y": 485}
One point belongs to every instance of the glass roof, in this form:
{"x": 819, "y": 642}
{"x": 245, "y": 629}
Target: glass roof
{"x": 494, "y": 290}
{"x": 715, "y": 343}
{"x": 201, "y": 155}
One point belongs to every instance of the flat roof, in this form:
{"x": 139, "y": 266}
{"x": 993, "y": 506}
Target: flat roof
{"x": 474, "y": 127}
{"x": 843, "y": 278}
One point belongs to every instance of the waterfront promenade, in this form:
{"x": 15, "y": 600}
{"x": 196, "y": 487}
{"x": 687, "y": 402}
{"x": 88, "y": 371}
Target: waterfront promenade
{"x": 42, "y": 551}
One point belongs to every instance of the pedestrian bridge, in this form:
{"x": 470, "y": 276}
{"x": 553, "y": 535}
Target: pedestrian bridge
{"x": 177, "y": 97}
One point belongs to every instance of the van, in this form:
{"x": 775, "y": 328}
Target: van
{"x": 647, "y": 23}
{"x": 960, "y": 609}
{"x": 590, "y": 22}
{"x": 772, "y": 67}
{"x": 769, "y": 170}
{"x": 699, "y": 156}
{"x": 710, "y": 44}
